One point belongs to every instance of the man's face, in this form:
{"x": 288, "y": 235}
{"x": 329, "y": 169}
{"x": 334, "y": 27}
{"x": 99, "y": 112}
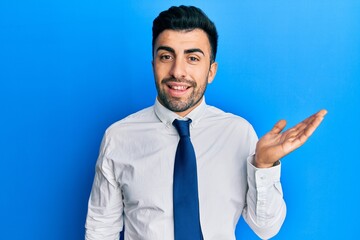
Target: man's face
{"x": 182, "y": 69}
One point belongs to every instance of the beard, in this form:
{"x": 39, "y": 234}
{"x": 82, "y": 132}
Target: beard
{"x": 176, "y": 104}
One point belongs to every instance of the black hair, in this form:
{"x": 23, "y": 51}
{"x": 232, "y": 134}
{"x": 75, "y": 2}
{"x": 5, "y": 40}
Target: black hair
{"x": 186, "y": 18}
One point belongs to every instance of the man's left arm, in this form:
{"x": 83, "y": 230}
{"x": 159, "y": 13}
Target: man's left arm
{"x": 266, "y": 208}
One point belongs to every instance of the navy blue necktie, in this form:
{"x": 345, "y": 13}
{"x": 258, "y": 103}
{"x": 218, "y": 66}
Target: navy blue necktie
{"x": 185, "y": 188}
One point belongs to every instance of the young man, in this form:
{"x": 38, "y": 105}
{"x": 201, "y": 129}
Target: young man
{"x": 159, "y": 183}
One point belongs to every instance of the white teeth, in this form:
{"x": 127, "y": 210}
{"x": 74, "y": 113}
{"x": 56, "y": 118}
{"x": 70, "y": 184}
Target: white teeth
{"x": 179, "y": 87}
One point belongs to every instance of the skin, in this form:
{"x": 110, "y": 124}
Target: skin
{"x": 276, "y": 144}
{"x": 182, "y": 70}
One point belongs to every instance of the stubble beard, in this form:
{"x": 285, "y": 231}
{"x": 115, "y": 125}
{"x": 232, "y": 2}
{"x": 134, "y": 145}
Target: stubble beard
{"x": 178, "y": 104}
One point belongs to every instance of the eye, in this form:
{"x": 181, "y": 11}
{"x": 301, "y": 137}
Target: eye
{"x": 194, "y": 59}
{"x": 166, "y": 57}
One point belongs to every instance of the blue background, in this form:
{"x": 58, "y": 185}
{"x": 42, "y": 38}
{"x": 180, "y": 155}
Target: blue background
{"x": 68, "y": 69}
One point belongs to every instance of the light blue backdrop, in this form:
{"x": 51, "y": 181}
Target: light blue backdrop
{"x": 68, "y": 69}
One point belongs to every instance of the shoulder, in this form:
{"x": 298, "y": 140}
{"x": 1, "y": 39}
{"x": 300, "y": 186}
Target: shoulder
{"x": 133, "y": 121}
{"x": 216, "y": 114}
{"x": 217, "y": 118}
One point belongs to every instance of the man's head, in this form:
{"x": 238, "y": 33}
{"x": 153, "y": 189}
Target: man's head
{"x": 184, "y": 49}
{"x": 186, "y": 18}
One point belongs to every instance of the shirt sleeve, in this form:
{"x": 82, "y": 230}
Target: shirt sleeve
{"x": 104, "y": 219}
{"x": 266, "y": 209}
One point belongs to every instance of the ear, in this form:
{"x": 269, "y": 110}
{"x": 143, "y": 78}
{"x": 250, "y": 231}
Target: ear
{"x": 212, "y": 71}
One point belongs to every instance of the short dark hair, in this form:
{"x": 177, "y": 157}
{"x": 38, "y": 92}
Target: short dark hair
{"x": 186, "y": 18}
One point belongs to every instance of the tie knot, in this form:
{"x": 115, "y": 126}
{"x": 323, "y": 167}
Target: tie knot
{"x": 182, "y": 127}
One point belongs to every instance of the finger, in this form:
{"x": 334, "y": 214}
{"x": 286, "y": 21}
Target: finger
{"x": 278, "y": 127}
{"x": 303, "y": 130}
{"x": 322, "y": 113}
{"x": 313, "y": 125}
{"x": 310, "y": 121}
{"x": 319, "y": 114}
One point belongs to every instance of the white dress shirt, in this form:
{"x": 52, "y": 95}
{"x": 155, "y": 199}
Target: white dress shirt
{"x": 134, "y": 176}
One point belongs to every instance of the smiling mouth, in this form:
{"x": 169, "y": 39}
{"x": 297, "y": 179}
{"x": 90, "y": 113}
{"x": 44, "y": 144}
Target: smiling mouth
{"x": 178, "y": 87}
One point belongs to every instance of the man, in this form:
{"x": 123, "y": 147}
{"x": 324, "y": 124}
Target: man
{"x": 137, "y": 183}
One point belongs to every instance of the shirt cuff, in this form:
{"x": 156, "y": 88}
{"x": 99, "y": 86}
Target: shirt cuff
{"x": 265, "y": 191}
{"x": 262, "y": 177}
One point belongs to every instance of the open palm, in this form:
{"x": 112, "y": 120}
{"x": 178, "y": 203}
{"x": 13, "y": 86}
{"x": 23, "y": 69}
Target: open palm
{"x": 276, "y": 144}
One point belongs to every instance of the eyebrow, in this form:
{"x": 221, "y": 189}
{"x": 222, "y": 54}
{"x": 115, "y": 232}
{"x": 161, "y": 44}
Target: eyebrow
{"x": 169, "y": 49}
{"x": 166, "y": 48}
{"x": 192, "y": 50}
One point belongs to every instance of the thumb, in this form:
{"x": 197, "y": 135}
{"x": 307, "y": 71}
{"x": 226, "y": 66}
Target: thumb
{"x": 278, "y": 127}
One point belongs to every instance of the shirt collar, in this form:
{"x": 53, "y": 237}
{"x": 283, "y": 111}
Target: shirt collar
{"x": 167, "y": 116}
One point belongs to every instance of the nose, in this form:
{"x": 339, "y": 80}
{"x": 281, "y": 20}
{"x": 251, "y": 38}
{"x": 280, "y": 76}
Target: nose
{"x": 178, "y": 69}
